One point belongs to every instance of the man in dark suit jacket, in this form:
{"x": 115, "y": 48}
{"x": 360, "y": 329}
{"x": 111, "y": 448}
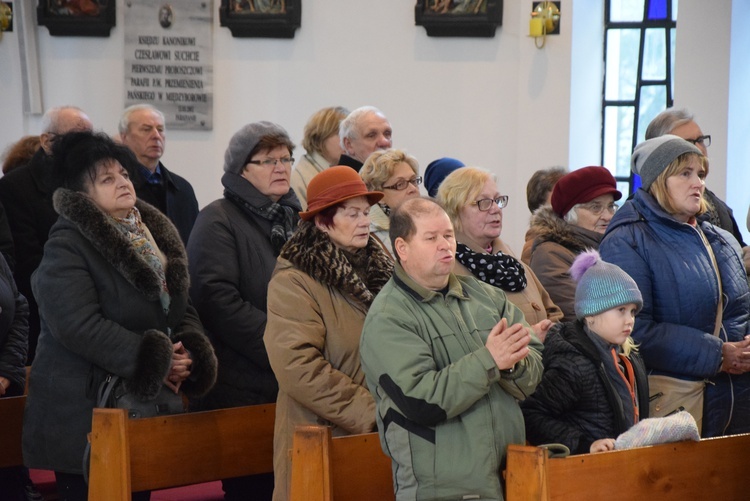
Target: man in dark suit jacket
{"x": 142, "y": 130}
{"x": 26, "y": 194}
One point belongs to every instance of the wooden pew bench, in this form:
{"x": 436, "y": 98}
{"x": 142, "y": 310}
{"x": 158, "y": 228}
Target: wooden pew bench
{"x": 130, "y": 455}
{"x": 714, "y": 468}
{"x": 11, "y": 424}
{"x": 351, "y": 468}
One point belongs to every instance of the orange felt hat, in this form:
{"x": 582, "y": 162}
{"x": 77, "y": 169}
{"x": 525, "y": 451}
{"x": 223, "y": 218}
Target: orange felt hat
{"x": 334, "y": 186}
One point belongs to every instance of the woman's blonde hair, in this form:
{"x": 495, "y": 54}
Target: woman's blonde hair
{"x": 381, "y": 164}
{"x": 659, "y": 188}
{"x": 459, "y": 188}
{"x": 322, "y": 125}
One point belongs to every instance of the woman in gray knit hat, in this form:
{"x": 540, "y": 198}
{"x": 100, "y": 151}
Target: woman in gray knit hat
{"x": 232, "y": 253}
{"x": 696, "y": 302}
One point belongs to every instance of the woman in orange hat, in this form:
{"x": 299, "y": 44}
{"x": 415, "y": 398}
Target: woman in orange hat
{"x": 326, "y": 277}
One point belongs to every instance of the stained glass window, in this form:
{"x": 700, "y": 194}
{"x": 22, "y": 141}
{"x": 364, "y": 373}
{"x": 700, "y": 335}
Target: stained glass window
{"x": 639, "y": 42}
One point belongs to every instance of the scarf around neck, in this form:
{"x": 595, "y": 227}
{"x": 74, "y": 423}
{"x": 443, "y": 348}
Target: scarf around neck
{"x": 500, "y": 270}
{"x": 283, "y": 217}
{"x": 140, "y": 238}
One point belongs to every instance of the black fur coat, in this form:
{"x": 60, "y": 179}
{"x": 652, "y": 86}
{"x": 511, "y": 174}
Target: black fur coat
{"x": 100, "y": 313}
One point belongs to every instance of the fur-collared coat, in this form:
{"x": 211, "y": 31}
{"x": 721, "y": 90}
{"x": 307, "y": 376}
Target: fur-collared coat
{"x": 100, "y": 311}
{"x": 555, "y": 247}
{"x": 316, "y": 308}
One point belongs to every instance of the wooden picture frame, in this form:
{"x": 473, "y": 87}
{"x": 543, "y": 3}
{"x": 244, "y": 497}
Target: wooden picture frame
{"x": 459, "y": 18}
{"x": 261, "y": 18}
{"x": 84, "y": 18}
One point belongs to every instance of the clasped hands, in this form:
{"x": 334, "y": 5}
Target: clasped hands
{"x": 736, "y": 356}
{"x": 180, "y": 369}
{"x": 508, "y": 345}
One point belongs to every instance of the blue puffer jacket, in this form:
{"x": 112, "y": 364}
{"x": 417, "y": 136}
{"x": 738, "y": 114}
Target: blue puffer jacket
{"x": 673, "y": 270}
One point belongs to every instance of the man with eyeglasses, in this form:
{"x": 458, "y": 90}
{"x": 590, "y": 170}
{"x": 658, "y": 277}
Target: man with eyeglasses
{"x": 362, "y": 132}
{"x": 26, "y": 194}
{"x": 142, "y": 130}
{"x": 680, "y": 122}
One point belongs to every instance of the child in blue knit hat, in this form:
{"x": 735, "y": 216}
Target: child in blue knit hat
{"x": 594, "y": 385}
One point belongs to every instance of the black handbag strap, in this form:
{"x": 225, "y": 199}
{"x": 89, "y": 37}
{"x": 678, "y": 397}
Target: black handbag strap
{"x": 105, "y": 390}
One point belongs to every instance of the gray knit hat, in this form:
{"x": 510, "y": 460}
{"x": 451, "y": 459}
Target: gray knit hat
{"x": 601, "y": 285}
{"x": 243, "y": 142}
{"x": 651, "y": 157}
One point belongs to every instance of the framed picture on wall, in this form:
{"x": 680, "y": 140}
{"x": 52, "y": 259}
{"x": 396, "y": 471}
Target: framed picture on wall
{"x": 77, "y": 18}
{"x": 261, "y": 18}
{"x": 459, "y": 18}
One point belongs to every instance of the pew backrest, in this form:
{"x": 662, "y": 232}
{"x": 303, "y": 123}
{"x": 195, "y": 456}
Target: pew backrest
{"x": 348, "y": 468}
{"x": 130, "y": 455}
{"x": 11, "y": 425}
{"x": 714, "y": 468}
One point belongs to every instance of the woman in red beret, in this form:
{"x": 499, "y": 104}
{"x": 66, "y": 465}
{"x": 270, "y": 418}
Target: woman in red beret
{"x": 583, "y": 203}
{"x": 326, "y": 277}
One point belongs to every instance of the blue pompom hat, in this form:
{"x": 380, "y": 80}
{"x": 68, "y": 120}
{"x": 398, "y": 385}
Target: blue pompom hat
{"x": 602, "y": 286}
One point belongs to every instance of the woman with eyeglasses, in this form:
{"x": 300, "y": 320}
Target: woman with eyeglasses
{"x": 693, "y": 329}
{"x": 232, "y": 253}
{"x": 471, "y": 199}
{"x": 583, "y": 203}
{"x": 396, "y": 174}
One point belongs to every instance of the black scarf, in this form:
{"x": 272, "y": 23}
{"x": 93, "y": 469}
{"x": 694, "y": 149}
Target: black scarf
{"x": 500, "y": 270}
{"x": 284, "y": 218}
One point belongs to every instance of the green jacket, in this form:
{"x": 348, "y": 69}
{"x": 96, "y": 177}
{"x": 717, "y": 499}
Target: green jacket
{"x": 445, "y": 413}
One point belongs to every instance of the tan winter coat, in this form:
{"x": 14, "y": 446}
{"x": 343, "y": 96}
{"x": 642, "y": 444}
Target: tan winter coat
{"x": 306, "y": 169}
{"x": 533, "y": 301}
{"x": 314, "y": 323}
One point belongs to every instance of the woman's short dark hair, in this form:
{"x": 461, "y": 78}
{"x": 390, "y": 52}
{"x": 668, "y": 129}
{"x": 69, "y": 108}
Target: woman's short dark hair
{"x": 540, "y": 185}
{"x": 77, "y": 155}
{"x": 325, "y": 216}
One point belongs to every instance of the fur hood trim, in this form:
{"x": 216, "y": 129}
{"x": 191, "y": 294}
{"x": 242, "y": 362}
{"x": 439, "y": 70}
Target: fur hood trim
{"x": 99, "y": 229}
{"x": 312, "y": 251}
{"x": 549, "y": 227}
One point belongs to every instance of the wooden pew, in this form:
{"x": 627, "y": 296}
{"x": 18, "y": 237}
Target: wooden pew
{"x": 130, "y": 455}
{"x": 351, "y": 468}
{"x": 11, "y": 424}
{"x": 713, "y": 468}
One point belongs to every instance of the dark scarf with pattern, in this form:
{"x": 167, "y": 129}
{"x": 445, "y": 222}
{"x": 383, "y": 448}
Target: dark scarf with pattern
{"x": 133, "y": 228}
{"x": 500, "y": 270}
{"x": 361, "y": 274}
{"x": 284, "y": 218}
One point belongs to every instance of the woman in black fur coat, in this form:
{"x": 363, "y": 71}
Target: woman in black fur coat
{"x": 112, "y": 290}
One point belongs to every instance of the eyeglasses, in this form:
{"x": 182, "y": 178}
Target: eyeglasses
{"x": 271, "y": 162}
{"x": 702, "y": 140}
{"x": 402, "y": 184}
{"x": 597, "y": 208}
{"x": 485, "y": 204}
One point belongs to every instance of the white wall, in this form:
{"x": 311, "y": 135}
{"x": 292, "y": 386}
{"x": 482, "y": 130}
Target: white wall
{"x": 498, "y": 103}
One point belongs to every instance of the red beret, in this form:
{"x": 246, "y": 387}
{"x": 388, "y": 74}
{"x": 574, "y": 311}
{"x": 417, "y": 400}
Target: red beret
{"x": 581, "y": 186}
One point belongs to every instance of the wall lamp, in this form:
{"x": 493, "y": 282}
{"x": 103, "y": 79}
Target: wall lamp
{"x": 545, "y": 20}
{"x": 6, "y": 18}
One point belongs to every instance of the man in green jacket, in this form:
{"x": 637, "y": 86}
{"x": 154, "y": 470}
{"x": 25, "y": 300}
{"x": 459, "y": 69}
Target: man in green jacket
{"x": 447, "y": 358}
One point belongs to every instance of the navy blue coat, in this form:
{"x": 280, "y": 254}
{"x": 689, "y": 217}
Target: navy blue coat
{"x": 673, "y": 270}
